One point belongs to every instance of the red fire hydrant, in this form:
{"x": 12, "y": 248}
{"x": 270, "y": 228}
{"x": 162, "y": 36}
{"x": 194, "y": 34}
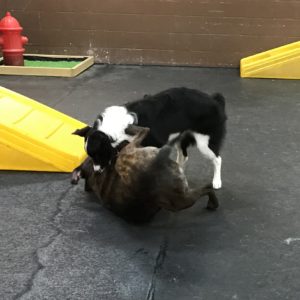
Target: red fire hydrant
{"x": 11, "y": 41}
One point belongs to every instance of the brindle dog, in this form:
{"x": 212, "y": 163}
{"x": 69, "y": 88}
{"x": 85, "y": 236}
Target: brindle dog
{"x": 139, "y": 181}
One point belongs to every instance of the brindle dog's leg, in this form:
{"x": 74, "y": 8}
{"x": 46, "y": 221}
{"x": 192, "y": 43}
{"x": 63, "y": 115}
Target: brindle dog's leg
{"x": 213, "y": 202}
{"x": 76, "y": 175}
{"x": 139, "y": 134}
{"x": 82, "y": 171}
{"x": 179, "y": 201}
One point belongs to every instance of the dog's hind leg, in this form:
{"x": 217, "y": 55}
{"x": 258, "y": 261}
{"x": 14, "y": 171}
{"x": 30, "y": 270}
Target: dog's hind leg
{"x": 188, "y": 199}
{"x": 202, "y": 142}
{"x": 212, "y": 202}
{"x": 177, "y": 202}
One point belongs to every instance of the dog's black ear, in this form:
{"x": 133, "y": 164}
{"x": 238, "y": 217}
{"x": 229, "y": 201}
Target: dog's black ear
{"x": 98, "y": 122}
{"x": 82, "y": 132}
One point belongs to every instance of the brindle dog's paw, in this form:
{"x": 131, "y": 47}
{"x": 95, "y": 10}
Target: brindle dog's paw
{"x": 212, "y": 203}
{"x": 75, "y": 177}
{"x": 74, "y": 181}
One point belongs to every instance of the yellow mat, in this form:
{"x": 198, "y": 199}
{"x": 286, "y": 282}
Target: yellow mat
{"x": 282, "y": 63}
{"x": 35, "y": 137}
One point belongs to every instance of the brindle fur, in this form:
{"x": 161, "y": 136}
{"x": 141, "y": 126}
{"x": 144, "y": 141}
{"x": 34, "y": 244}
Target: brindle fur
{"x": 141, "y": 181}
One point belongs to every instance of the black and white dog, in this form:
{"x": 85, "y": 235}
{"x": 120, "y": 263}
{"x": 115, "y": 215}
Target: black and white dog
{"x": 168, "y": 114}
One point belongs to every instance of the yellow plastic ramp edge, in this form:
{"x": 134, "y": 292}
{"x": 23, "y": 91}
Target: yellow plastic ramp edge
{"x": 35, "y": 137}
{"x": 281, "y": 63}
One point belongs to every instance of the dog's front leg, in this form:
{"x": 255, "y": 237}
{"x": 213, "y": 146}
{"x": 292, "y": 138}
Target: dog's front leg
{"x": 139, "y": 133}
{"x": 76, "y": 175}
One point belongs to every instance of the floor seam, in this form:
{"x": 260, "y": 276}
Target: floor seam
{"x": 160, "y": 259}
{"x": 55, "y": 223}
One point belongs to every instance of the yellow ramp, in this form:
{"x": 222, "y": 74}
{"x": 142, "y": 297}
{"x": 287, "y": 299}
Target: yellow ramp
{"x": 282, "y": 63}
{"x": 35, "y": 137}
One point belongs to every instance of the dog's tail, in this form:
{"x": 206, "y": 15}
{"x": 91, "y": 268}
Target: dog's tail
{"x": 220, "y": 99}
{"x": 184, "y": 140}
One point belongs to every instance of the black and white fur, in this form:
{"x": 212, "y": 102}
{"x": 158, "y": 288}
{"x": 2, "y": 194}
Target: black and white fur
{"x": 168, "y": 114}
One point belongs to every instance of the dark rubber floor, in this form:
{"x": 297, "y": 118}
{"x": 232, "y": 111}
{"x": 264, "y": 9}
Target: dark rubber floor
{"x": 56, "y": 243}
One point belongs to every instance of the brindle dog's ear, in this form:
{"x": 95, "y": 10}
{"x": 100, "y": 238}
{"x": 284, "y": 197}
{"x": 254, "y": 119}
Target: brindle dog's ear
{"x": 82, "y": 132}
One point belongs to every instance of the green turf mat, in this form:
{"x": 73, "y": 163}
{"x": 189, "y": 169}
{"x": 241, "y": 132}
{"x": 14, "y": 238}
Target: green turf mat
{"x": 51, "y": 64}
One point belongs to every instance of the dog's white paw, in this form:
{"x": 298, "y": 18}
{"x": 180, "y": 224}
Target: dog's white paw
{"x": 217, "y": 183}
